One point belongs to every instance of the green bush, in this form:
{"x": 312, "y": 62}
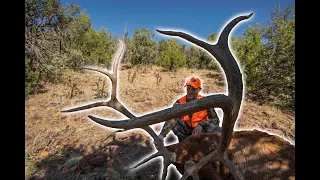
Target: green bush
{"x": 32, "y": 78}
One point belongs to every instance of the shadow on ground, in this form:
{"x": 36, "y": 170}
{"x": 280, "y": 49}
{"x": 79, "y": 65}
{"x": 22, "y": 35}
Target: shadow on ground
{"x": 108, "y": 161}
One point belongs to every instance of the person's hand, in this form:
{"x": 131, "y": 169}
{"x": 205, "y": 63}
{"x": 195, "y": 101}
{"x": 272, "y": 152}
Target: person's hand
{"x": 197, "y": 130}
{"x": 161, "y": 138}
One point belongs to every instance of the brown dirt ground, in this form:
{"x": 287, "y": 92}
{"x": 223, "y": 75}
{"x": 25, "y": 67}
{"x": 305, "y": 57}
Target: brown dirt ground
{"x": 70, "y": 146}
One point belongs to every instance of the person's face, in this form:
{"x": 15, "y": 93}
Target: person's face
{"x": 192, "y": 92}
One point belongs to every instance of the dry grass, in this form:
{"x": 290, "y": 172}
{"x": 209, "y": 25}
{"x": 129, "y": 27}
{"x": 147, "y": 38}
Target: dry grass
{"x": 49, "y": 130}
{"x": 268, "y": 119}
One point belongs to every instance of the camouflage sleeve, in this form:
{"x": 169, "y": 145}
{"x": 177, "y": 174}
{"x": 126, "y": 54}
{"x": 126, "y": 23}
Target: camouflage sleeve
{"x": 213, "y": 119}
{"x": 168, "y": 125}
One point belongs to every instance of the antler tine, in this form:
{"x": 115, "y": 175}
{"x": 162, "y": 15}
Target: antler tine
{"x": 113, "y": 102}
{"x": 168, "y": 157}
{"x": 194, "y": 169}
{"x": 187, "y": 37}
{"x": 89, "y": 106}
{"x": 213, "y": 156}
{"x": 223, "y": 39}
{"x": 113, "y": 76}
{"x": 146, "y": 160}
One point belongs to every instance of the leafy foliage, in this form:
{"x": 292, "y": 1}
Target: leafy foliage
{"x": 98, "y": 47}
{"x": 280, "y": 66}
{"x": 59, "y": 37}
{"x": 192, "y": 56}
{"x": 267, "y": 56}
{"x": 248, "y": 49}
{"x": 198, "y": 58}
{"x": 32, "y": 78}
{"x": 171, "y": 56}
{"x": 142, "y": 49}
{"x": 213, "y": 37}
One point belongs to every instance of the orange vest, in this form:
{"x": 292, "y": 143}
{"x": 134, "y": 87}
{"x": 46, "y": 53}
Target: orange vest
{"x": 196, "y": 117}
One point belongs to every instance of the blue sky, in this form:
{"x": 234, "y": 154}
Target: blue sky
{"x": 197, "y": 17}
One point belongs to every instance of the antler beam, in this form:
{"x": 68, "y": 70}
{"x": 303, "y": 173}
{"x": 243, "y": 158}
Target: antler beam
{"x": 193, "y": 106}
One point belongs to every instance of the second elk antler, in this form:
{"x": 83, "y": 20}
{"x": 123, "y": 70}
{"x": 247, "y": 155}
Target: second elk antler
{"x": 115, "y": 104}
{"x": 230, "y": 104}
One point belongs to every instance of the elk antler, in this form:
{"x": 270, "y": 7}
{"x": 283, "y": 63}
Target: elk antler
{"x": 229, "y": 104}
{"x": 224, "y": 56}
{"x": 115, "y": 104}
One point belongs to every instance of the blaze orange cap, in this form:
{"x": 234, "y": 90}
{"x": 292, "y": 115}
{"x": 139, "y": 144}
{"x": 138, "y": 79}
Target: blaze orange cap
{"x": 194, "y": 82}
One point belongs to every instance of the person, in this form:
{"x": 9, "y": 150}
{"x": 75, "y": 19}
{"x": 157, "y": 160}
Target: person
{"x": 192, "y": 124}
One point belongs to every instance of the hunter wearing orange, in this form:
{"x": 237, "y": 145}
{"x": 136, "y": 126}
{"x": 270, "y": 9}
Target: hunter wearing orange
{"x": 192, "y": 124}
{"x": 196, "y": 117}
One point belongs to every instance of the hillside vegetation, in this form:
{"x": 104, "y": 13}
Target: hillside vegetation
{"x": 62, "y": 37}
{"x": 53, "y": 138}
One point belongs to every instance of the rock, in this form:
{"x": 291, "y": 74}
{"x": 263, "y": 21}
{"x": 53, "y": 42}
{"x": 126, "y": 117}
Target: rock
{"x": 98, "y": 160}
